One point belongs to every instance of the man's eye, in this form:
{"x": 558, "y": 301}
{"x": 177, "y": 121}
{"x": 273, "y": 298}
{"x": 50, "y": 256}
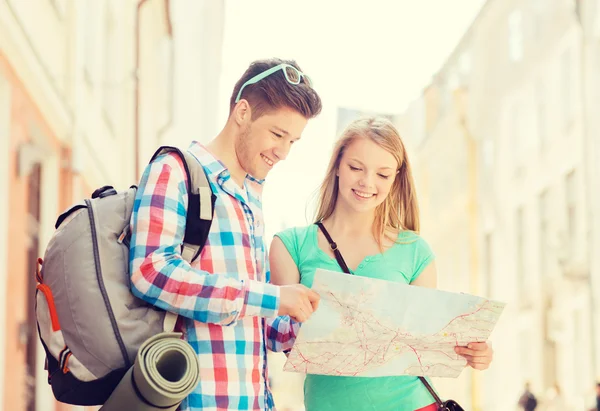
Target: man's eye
{"x": 276, "y": 134}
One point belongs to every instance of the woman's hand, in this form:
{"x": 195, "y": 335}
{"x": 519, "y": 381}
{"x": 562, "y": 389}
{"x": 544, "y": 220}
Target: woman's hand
{"x": 478, "y": 354}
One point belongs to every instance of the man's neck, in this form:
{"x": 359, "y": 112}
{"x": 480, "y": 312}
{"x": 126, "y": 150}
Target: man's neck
{"x": 223, "y": 148}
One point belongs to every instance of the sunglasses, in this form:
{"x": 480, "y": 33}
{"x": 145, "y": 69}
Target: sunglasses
{"x": 292, "y": 75}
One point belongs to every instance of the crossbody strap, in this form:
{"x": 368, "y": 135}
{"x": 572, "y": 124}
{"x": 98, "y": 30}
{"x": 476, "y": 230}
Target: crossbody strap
{"x": 342, "y": 263}
{"x": 431, "y": 391}
{"x": 334, "y": 248}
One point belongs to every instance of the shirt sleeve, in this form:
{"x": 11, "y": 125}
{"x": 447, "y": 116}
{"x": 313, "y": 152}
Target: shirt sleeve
{"x": 159, "y": 274}
{"x": 289, "y": 238}
{"x": 281, "y": 333}
{"x": 423, "y": 257}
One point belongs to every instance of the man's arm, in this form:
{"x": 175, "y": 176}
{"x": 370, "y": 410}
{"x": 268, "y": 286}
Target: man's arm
{"x": 161, "y": 277}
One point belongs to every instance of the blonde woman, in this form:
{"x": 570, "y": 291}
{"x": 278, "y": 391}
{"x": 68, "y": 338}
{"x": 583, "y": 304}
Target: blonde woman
{"x": 368, "y": 206}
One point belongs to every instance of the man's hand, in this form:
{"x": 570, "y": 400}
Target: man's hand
{"x": 297, "y": 301}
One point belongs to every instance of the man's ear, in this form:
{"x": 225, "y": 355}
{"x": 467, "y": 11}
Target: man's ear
{"x": 242, "y": 113}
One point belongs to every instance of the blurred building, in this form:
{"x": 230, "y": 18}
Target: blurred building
{"x": 506, "y": 158}
{"x": 88, "y": 90}
{"x": 444, "y": 159}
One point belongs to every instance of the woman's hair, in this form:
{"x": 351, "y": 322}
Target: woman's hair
{"x": 399, "y": 211}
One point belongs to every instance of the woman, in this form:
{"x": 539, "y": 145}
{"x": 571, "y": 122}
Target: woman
{"x": 368, "y": 206}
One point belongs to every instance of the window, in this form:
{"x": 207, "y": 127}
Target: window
{"x": 488, "y": 264}
{"x": 540, "y": 104}
{"x": 537, "y": 18}
{"x": 520, "y": 253}
{"x": 164, "y": 60}
{"x": 515, "y": 36}
{"x": 567, "y": 85}
{"x": 92, "y": 34}
{"x": 516, "y": 135}
{"x": 110, "y": 80}
{"x": 60, "y": 6}
{"x": 543, "y": 233}
{"x": 571, "y": 205}
{"x": 465, "y": 63}
{"x": 487, "y": 152}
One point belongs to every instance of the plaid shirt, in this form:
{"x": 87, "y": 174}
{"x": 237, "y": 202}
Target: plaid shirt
{"x": 224, "y": 298}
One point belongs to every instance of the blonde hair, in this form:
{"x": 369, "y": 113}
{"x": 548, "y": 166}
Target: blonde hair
{"x": 399, "y": 211}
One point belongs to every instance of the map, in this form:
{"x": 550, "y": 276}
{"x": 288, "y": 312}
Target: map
{"x": 367, "y": 327}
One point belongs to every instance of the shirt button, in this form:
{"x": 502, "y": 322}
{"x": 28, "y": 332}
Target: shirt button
{"x": 361, "y": 265}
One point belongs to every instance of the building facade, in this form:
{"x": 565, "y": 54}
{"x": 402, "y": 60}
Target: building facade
{"x": 515, "y": 158}
{"x": 87, "y": 93}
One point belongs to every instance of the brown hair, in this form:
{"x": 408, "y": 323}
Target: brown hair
{"x": 274, "y": 92}
{"x": 399, "y": 211}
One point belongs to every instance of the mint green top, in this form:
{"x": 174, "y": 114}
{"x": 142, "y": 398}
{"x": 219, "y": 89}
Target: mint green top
{"x": 403, "y": 262}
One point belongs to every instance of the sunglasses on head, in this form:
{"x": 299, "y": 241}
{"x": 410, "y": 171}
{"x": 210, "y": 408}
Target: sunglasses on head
{"x": 292, "y": 75}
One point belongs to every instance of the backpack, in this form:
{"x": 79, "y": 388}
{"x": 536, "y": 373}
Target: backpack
{"x": 90, "y": 324}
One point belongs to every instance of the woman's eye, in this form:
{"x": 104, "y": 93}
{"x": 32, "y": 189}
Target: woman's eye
{"x": 276, "y": 134}
{"x": 354, "y": 168}
{"x": 384, "y": 177}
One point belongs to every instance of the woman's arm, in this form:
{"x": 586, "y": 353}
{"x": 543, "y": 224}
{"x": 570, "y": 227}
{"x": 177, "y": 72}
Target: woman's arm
{"x": 428, "y": 277}
{"x": 283, "y": 268}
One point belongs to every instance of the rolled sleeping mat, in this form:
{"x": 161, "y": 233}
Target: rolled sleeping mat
{"x": 166, "y": 370}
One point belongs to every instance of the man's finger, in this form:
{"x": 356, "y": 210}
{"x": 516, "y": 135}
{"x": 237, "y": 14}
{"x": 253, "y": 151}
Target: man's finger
{"x": 300, "y": 317}
{"x": 314, "y": 298}
{"x": 307, "y": 308}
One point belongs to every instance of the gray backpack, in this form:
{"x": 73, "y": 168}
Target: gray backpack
{"x": 89, "y": 322}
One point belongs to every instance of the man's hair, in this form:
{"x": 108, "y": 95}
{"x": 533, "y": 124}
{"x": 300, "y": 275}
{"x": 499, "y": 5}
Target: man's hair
{"x": 274, "y": 91}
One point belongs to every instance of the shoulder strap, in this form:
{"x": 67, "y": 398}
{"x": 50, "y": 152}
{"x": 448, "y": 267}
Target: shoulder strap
{"x": 334, "y": 248}
{"x": 201, "y": 201}
{"x": 437, "y": 399}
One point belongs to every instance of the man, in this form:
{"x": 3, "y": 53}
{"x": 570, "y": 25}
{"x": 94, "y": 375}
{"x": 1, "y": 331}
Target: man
{"x": 227, "y": 308}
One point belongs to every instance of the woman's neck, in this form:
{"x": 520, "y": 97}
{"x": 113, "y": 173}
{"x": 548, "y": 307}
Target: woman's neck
{"x": 350, "y": 223}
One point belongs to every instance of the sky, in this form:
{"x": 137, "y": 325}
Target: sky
{"x": 374, "y": 55}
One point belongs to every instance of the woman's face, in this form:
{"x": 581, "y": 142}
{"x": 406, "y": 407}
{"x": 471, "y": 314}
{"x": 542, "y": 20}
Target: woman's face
{"x": 366, "y": 174}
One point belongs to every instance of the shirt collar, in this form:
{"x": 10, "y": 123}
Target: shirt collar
{"x": 213, "y": 166}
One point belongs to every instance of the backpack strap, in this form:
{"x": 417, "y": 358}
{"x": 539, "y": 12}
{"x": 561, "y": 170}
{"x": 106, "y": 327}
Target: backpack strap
{"x": 200, "y": 209}
{"x": 201, "y": 201}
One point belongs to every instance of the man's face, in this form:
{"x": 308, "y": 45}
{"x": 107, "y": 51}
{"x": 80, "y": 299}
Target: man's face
{"x": 267, "y": 140}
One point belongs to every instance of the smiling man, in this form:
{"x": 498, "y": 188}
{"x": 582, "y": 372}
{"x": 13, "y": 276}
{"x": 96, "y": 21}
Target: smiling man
{"x": 229, "y": 312}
